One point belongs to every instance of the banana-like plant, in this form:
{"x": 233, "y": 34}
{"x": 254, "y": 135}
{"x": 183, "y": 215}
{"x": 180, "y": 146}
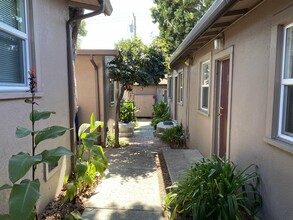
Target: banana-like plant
{"x": 26, "y": 192}
{"x": 90, "y": 159}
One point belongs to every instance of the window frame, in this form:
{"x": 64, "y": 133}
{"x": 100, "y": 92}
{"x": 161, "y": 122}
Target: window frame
{"x": 24, "y": 37}
{"x": 202, "y": 85}
{"x": 170, "y": 87}
{"x": 180, "y": 86}
{"x": 283, "y": 84}
{"x": 111, "y": 82}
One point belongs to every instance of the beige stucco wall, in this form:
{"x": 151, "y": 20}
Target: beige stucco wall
{"x": 93, "y": 92}
{"x": 51, "y": 68}
{"x": 251, "y": 39}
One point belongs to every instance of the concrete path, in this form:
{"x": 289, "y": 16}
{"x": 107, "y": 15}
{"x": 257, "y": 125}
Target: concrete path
{"x": 130, "y": 190}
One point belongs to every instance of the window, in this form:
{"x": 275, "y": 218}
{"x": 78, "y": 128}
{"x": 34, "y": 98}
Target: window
{"x": 108, "y": 59}
{"x": 13, "y": 45}
{"x": 112, "y": 92}
{"x": 286, "y": 99}
{"x": 204, "y": 85}
{"x": 180, "y": 87}
{"x": 170, "y": 87}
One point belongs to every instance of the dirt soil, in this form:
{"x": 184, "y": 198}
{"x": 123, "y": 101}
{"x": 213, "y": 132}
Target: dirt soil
{"x": 58, "y": 209}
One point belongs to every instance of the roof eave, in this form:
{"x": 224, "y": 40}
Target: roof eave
{"x": 214, "y": 12}
{"x": 79, "y": 4}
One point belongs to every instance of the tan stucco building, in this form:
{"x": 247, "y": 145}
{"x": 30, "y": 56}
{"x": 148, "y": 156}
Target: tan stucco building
{"x": 231, "y": 87}
{"x": 145, "y": 97}
{"x": 36, "y": 37}
{"x": 95, "y": 90}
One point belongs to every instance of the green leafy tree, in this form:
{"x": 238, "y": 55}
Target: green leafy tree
{"x": 82, "y": 32}
{"x": 176, "y": 18}
{"x": 136, "y": 63}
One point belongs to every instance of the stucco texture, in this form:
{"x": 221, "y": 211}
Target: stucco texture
{"x": 49, "y": 22}
{"x": 252, "y": 43}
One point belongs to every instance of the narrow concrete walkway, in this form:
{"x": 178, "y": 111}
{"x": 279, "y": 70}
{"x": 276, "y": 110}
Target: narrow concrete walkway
{"x": 131, "y": 190}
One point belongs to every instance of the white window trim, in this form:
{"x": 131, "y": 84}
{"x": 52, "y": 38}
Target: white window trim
{"x": 6, "y": 87}
{"x": 180, "y": 87}
{"x": 284, "y": 82}
{"x": 204, "y": 86}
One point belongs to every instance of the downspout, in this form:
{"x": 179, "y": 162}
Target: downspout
{"x": 98, "y": 90}
{"x": 98, "y": 84}
{"x": 71, "y": 76}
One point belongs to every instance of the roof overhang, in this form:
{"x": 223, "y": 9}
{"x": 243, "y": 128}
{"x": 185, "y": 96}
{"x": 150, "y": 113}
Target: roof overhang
{"x": 84, "y": 52}
{"x": 220, "y": 16}
{"x": 91, "y": 5}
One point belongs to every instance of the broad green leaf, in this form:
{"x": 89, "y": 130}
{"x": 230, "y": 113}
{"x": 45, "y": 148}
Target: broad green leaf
{"x": 88, "y": 143}
{"x": 22, "y": 132}
{"x": 76, "y": 215}
{"x": 4, "y": 217}
{"x": 38, "y": 115}
{"x": 70, "y": 191}
{"x": 5, "y": 186}
{"x": 87, "y": 179}
{"x": 23, "y": 198}
{"x": 66, "y": 178}
{"x": 100, "y": 166}
{"x": 20, "y": 164}
{"x": 93, "y": 135}
{"x": 92, "y": 122}
{"x": 50, "y": 133}
{"x": 53, "y": 156}
{"x": 83, "y": 128}
{"x": 81, "y": 168}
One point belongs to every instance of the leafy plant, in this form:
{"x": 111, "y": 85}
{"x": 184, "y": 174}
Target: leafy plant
{"x": 90, "y": 159}
{"x": 135, "y": 63}
{"x": 127, "y": 112}
{"x": 26, "y": 192}
{"x": 160, "y": 113}
{"x": 174, "y": 136}
{"x": 215, "y": 189}
{"x": 111, "y": 141}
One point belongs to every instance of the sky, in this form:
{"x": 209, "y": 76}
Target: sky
{"x": 105, "y": 31}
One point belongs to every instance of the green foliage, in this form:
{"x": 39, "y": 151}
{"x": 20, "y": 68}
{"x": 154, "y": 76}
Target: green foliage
{"x": 127, "y": 112}
{"x": 215, "y": 189}
{"x": 111, "y": 141}
{"x": 82, "y": 32}
{"x": 174, "y": 136}
{"x": 90, "y": 159}
{"x": 160, "y": 113}
{"x": 24, "y": 195}
{"x": 138, "y": 63}
{"x": 176, "y": 18}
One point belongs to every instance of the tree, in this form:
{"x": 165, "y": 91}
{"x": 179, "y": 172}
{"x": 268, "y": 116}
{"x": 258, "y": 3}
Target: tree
{"x": 82, "y": 32}
{"x": 176, "y": 18}
{"x": 135, "y": 63}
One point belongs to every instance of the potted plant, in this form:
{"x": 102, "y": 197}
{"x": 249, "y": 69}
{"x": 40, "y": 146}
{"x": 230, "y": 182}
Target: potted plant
{"x": 127, "y": 119}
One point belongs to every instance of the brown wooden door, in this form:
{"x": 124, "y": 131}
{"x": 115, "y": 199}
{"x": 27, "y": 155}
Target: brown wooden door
{"x": 223, "y": 106}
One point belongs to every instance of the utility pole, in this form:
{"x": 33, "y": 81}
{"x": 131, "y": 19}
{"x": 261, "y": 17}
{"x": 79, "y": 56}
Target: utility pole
{"x": 134, "y": 24}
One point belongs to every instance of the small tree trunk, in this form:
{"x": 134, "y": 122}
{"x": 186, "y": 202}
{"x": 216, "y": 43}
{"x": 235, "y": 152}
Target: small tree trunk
{"x": 117, "y": 115}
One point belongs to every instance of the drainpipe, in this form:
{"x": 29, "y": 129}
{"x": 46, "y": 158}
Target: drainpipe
{"x": 98, "y": 84}
{"x": 98, "y": 98}
{"x": 71, "y": 76}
